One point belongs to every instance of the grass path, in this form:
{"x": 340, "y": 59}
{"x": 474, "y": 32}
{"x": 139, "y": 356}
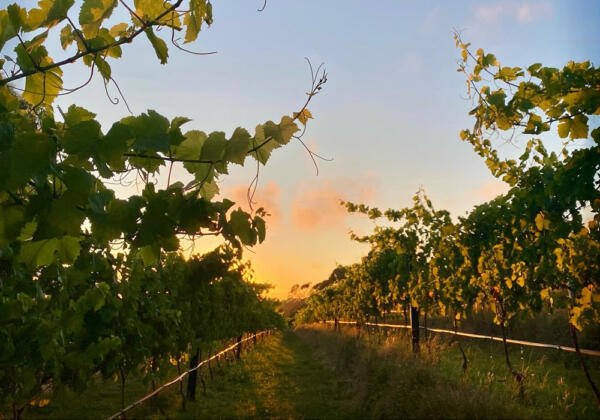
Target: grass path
{"x": 278, "y": 379}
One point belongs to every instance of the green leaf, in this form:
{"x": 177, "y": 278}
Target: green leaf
{"x": 214, "y": 147}
{"x": 262, "y": 147}
{"x": 113, "y": 145}
{"x": 38, "y": 253}
{"x": 209, "y": 190}
{"x": 68, "y": 249}
{"x": 103, "y": 67}
{"x": 12, "y": 218}
{"x": 239, "y": 223}
{"x": 534, "y": 68}
{"x": 149, "y": 256}
{"x": 28, "y": 231}
{"x": 259, "y": 224}
{"x": 7, "y": 135}
{"x": 151, "y": 132}
{"x": 237, "y": 146}
{"x": 282, "y": 132}
{"x": 76, "y": 114}
{"x": 94, "y": 298}
{"x": 175, "y": 131}
{"x": 177, "y": 122}
{"x": 8, "y": 27}
{"x": 191, "y": 147}
{"x": 160, "y": 47}
{"x": 29, "y": 156}
{"x": 81, "y": 139}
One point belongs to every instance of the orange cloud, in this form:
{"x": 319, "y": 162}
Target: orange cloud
{"x": 318, "y": 207}
{"x": 268, "y": 197}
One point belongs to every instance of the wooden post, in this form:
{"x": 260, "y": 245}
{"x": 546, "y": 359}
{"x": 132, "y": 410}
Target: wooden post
{"x": 238, "y": 350}
{"x": 193, "y": 376}
{"x": 414, "y": 325}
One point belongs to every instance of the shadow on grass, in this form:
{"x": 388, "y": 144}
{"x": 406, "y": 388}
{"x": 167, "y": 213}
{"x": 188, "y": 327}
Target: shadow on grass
{"x": 279, "y": 378}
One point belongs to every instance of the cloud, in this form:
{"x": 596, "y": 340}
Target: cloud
{"x": 318, "y": 207}
{"x": 522, "y": 12}
{"x": 489, "y": 13}
{"x": 268, "y": 197}
{"x": 528, "y": 12}
{"x": 490, "y": 190}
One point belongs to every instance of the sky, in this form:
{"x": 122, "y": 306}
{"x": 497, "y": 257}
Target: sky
{"x": 389, "y": 115}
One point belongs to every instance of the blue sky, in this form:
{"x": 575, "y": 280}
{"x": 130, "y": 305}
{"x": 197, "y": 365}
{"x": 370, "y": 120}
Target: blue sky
{"x": 389, "y": 115}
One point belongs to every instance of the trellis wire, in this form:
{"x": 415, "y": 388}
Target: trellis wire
{"x": 487, "y": 337}
{"x": 184, "y": 374}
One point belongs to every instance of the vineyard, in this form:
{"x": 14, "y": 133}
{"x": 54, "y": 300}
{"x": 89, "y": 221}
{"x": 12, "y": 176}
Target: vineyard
{"x": 526, "y": 252}
{"x": 104, "y": 297}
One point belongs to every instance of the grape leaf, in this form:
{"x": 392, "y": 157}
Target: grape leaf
{"x": 159, "y": 45}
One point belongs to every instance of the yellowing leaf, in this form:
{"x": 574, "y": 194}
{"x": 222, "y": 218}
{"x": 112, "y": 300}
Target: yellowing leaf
{"x": 39, "y": 403}
{"x": 93, "y": 13}
{"x": 539, "y": 221}
{"x": 579, "y": 127}
{"x": 564, "y": 126}
{"x": 48, "y": 13}
{"x": 575, "y": 314}
{"x": 303, "y": 116}
{"x": 586, "y": 296}
{"x": 42, "y": 88}
{"x": 118, "y": 30}
{"x": 559, "y": 258}
{"x": 544, "y": 293}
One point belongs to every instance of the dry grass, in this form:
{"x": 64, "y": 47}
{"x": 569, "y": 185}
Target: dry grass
{"x": 389, "y": 381}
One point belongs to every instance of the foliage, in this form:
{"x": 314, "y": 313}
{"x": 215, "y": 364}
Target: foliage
{"x": 530, "y": 250}
{"x": 95, "y": 284}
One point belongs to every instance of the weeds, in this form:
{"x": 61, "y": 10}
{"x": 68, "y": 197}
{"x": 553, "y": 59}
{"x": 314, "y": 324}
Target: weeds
{"x": 389, "y": 381}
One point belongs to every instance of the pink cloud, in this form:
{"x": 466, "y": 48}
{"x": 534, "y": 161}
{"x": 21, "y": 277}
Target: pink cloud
{"x": 490, "y": 190}
{"x": 318, "y": 206}
{"x": 268, "y": 197}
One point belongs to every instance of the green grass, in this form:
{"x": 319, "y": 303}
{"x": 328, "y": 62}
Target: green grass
{"x": 390, "y": 382}
{"x": 279, "y": 378}
{"x": 315, "y": 372}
